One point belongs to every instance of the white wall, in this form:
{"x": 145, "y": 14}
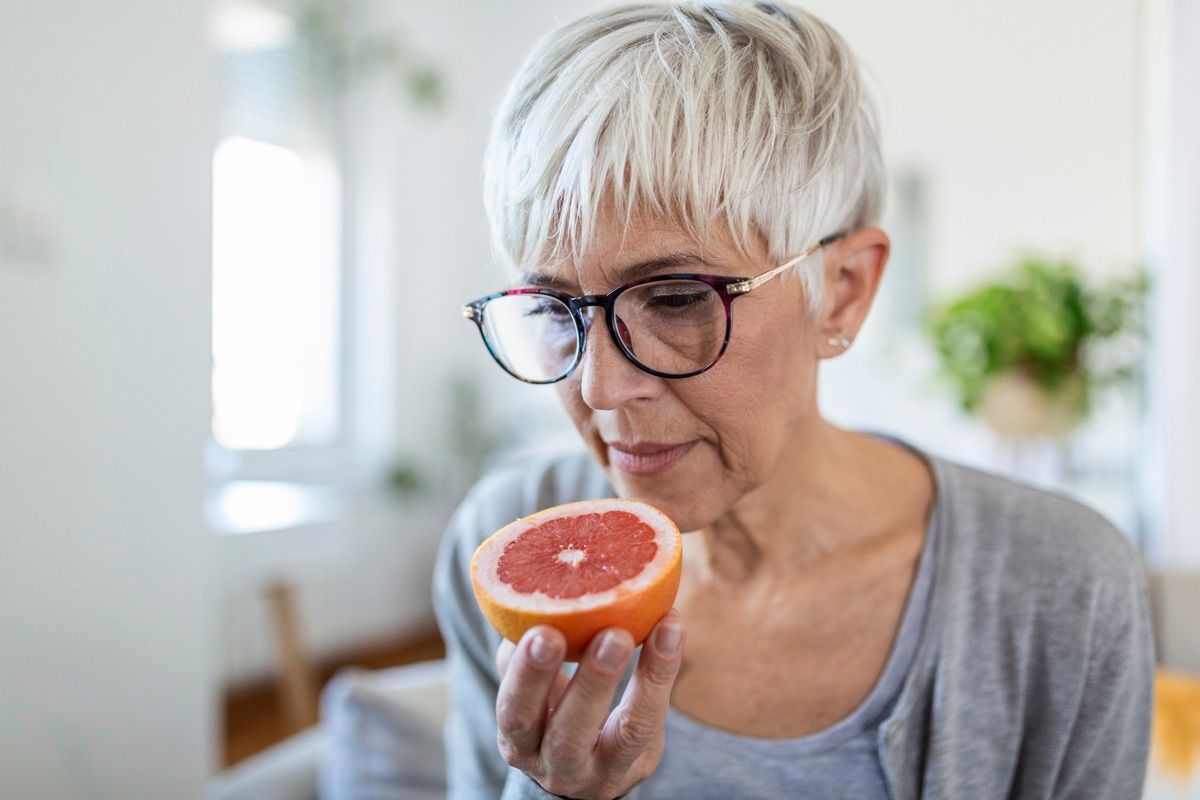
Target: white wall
{"x": 1024, "y": 115}
{"x": 106, "y": 637}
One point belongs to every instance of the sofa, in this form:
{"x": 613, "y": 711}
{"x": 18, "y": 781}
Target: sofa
{"x": 362, "y": 715}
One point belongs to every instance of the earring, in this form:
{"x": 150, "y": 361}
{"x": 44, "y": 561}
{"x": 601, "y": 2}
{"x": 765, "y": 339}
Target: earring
{"x": 838, "y": 342}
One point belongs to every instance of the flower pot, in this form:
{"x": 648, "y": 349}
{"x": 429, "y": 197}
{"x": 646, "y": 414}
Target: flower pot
{"x": 1016, "y": 406}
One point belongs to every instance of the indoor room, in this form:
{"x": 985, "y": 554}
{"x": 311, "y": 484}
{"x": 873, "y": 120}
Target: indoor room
{"x": 296, "y": 312}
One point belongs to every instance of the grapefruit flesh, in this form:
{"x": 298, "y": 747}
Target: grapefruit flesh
{"x": 580, "y": 567}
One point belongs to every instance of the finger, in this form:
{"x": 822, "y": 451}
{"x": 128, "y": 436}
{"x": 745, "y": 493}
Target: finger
{"x": 573, "y": 727}
{"x": 561, "y": 681}
{"x": 503, "y": 656}
{"x": 642, "y": 713}
{"x": 525, "y": 688}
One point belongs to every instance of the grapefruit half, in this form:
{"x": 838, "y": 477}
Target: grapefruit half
{"x": 580, "y": 567}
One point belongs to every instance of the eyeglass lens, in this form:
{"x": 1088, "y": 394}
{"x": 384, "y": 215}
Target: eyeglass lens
{"x": 671, "y": 327}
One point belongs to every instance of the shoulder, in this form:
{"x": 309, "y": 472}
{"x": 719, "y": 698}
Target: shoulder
{"x": 1033, "y": 534}
{"x": 1037, "y": 559}
{"x": 1043, "y": 645}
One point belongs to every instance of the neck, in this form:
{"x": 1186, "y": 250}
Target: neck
{"x": 823, "y": 495}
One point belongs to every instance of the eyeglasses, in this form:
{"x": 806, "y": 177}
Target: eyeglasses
{"x": 671, "y": 326}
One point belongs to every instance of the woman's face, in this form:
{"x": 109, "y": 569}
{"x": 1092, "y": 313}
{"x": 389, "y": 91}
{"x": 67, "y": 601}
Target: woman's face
{"x": 692, "y": 446}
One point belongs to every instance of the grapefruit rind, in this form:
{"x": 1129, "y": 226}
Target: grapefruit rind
{"x": 635, "y": 605}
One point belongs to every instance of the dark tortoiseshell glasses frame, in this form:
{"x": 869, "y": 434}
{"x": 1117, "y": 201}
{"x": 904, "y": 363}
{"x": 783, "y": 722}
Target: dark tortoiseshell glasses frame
{"x": 727, "y": 288}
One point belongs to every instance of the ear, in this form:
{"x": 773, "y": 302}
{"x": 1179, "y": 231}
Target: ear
{"x": 853, "y": 268}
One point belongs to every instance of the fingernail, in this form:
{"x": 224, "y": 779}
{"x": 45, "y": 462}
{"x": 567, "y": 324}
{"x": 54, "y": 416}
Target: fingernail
{"x": 668, "y": 639}
{"x": 541, "y": 649}
{"x": 612, "y": 650}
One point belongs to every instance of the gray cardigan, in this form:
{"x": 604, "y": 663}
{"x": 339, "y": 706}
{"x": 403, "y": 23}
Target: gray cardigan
{"x": 1032, "y": 678}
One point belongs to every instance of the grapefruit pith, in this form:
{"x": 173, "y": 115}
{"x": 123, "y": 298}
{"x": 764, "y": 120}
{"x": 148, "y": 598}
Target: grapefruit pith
{"x": 580, "y": 567}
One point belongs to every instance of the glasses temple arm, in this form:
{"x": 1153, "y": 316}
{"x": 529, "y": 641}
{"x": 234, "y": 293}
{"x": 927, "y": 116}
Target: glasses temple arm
{"x": 751, "y": 284}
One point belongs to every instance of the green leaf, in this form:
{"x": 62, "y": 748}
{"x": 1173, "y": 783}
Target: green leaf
{"x": 1041, "y": 317}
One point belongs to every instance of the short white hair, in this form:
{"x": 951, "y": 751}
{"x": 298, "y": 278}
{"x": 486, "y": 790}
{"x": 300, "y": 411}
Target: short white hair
{"x": 750, "y": 115}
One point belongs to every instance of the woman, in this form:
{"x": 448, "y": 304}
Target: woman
{"x": 856, "y": 618}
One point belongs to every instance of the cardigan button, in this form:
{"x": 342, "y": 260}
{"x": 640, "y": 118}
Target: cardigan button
{"x": 892, "y": 733}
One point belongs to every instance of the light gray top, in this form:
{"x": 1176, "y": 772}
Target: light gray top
{"x": 1032, "y": 674}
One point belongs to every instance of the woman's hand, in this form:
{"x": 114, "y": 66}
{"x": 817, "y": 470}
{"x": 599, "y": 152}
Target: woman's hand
{"x": 561, "y": 734}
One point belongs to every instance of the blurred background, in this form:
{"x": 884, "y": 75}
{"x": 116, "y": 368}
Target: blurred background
{"x": 239, "y": 402}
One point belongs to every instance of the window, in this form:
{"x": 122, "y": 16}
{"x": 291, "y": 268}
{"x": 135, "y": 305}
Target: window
{"x": 275, "y": 297}
{"x": 278, "y": 282}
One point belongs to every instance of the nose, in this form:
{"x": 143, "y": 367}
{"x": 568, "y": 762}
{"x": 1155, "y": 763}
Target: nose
{"x": 607, "y": 378}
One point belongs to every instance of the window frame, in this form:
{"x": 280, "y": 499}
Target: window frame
{"x": 333, "y": 461}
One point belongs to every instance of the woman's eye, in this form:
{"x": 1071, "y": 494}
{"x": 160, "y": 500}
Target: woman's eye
{"x": 677, "y": 299}
{"x": 547, "y": 308}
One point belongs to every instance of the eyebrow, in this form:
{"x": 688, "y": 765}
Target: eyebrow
{"x": 631, "y": 272}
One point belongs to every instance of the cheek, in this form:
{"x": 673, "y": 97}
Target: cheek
{"x": 768, "y": 363}
{"x": 754, "y": 396}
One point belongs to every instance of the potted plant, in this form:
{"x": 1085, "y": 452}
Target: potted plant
{"x": 1029, "y": 352}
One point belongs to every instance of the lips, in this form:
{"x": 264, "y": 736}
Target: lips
{"x": 646, "y": 458}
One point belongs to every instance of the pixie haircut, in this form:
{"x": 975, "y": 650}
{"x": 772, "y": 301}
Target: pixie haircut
{"x": 752, "y": 116}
